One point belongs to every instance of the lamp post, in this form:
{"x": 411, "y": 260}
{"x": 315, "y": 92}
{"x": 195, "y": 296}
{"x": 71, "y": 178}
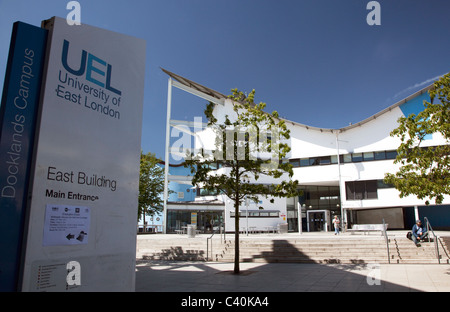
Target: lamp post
{"x": 299, "y": 218}
{"x": 343, "y": 218}
{"x": 246, "y": 214}
{"x": 166, "y": 154}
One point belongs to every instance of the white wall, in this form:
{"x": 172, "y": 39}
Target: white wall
{"x": 370, "y": 136}
{"x": 259, "y": 223}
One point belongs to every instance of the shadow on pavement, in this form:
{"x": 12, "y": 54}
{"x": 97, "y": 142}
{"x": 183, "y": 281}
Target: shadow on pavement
{"x": 177, "y": 276}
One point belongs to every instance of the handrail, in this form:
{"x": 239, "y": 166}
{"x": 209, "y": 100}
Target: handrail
{"x": 436, "y": 238}
{"x": 210, "y": 238}
{"x": 207, "y": 246}
{"x": 387, "y": 241}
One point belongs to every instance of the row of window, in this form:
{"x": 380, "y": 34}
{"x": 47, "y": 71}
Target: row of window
{"x": 345, "y": 158}
{"x": 257, "y": 214}
{"x": 357, "y": 190}
{"x": 332, "y": 159}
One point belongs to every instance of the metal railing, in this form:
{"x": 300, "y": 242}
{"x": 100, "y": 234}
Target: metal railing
{"x": 387, "y": 241}
{"x": 208, "y": 239}
{"x": 435, "y": 237}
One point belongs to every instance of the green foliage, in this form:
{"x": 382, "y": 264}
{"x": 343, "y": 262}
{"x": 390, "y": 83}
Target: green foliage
{"x": 424, "y": 171}
{"x": 236, "y": 155}
{"x": 248, "y": 145}
{"x": 151, "y": 185}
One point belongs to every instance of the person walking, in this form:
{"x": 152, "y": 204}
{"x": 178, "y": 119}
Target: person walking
{"x": 336, "y": 224}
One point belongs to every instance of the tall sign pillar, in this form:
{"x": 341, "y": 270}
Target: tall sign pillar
{"x": 81, "y": 233}
{"x": 18, "y": 110}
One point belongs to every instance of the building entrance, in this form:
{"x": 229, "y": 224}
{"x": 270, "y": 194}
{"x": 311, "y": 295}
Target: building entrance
{"x": 205, "y": 221}
{"x": 317, "y": 204}
{"x": 318, "y": 220}
{"x": 209, "y": 221}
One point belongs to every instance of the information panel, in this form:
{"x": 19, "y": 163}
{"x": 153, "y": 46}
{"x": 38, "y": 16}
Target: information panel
{"x": 66, "y": 225}
{"x": 18, "y": 110}
{"x": 86, "y": 176}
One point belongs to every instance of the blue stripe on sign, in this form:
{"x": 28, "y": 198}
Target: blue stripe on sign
{"x": 18, "y": 111}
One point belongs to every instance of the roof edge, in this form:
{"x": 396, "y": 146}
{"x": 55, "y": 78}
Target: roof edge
{"x": 387, "y": 109}
{"x": 219, "y": 95}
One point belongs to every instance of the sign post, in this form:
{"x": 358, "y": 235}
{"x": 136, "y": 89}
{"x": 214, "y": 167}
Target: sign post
{"x": 18, "y": 110}
{"x": 84, "y": 196}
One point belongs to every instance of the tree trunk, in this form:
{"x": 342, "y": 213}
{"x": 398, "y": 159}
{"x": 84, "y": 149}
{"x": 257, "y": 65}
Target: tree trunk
{"x": 236, "y": 236}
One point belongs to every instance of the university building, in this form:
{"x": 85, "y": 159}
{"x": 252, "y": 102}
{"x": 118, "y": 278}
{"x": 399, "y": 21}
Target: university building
{"x": 340, "y": 172}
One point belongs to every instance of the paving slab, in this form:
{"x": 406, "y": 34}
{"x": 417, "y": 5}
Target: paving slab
{"x": 163, "y": 276}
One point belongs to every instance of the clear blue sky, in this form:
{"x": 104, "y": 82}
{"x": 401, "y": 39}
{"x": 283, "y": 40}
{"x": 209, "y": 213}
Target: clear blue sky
{"x": 316, "y": 62}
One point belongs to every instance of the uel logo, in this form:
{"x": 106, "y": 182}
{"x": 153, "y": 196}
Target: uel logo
{"x": 90, "y": 64}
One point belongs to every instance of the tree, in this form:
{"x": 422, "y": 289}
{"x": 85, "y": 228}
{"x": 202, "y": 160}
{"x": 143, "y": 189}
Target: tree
{"x": 151, "y": 185}
{"x": 247, "y": 146}
{"x": 424, "y": 171}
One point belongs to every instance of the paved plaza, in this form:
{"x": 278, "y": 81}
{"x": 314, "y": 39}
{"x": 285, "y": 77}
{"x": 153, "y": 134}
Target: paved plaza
{"x": 161, "y": 276}
{"x": 178, "y": 276}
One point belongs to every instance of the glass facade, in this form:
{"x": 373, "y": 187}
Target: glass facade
{"x": 206, "y": 221}
{"x": 344, "y": 158}
{"x": 368, "y": 189}
{"x": 314, "y": 198}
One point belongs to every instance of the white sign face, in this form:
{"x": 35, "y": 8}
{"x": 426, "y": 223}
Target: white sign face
{"x": 66, "y": 225}
{"x": 88, "y": 153}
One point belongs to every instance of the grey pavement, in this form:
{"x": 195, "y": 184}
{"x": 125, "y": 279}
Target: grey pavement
{"x": 178, "y": 276}
{"x": 162, "y": 276}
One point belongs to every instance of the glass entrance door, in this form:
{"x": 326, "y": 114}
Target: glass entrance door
{"x": 318, "y": 220}
{"x": 208, "y": 221}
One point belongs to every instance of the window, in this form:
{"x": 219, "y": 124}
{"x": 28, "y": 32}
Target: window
{"x": 371, "y": 189}
{"x": 344, "y": 158}
{"x": 257, "y": 214}
{"x": 358, "y": 190}
{"x": 380, "y": 155}
{"x": 325, "y": 160}
{"x": 334, "y": 159}
{"x": 382, "y": 185}
{"x": 357, "y": 157}
{"x": 347, "y": 158}
{"x": 350, "y": 190}
{"x": 304, "y": 162}
{"x": 213, "y": 166}
{"x": 205, "y": 192}
{"x": 314, "y": 161}
{"x": 391, "y": 154}
{"x": 368, "y": 156}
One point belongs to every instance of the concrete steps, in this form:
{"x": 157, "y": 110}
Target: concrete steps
{"x": 310, "y": 251}
{"x": 171, "y": 249}
{"x": 330, "y": 249}
{"x": 403, "y": 250}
